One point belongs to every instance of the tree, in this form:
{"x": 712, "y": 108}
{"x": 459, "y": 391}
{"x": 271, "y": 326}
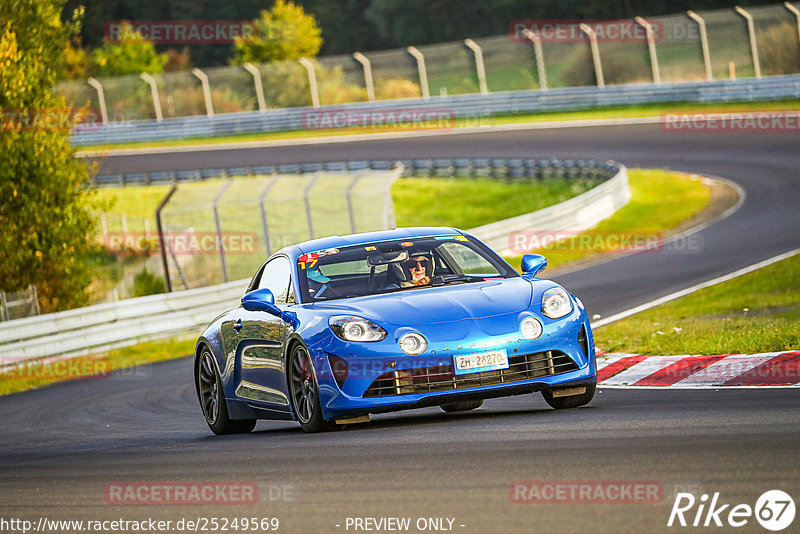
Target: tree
{"x": 45, "y": 200}
{"x": 131, "y": 55}
{"x": 281, "y": 33}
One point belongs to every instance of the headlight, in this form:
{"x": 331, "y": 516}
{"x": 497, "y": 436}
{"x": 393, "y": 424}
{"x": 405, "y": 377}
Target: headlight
{"x": 530, "y": 327}
{"x": 352, "y": 328}
{"x": 556, "y": 303}
{"x": 413, "y": 343}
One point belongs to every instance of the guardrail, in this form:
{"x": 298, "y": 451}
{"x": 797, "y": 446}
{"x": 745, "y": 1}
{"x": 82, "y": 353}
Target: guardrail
{"x": 464, "y": 106}
{"x": 105, "y": 326}
{"x": 538, "y": 168}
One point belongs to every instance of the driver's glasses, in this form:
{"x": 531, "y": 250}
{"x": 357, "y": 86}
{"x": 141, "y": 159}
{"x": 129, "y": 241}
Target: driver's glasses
{"x": 412, "y": 263}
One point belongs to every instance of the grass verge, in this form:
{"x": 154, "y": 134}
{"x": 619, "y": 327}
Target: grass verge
{"x": 757, "y": 312}
{"x": 605, "y": 113}
{"x": 24, "y": 376}
{"x": 660, "y": 201}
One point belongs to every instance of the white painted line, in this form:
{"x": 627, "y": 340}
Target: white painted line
{"x": 692, "y": 289}
{"x": 725, "y": 369}
{"x": 642, "y": 369}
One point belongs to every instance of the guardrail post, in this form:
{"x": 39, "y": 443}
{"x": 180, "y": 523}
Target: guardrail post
{"x": 307, "y": 199}
{"x": 264, "y": 224}
{"x": 361, "y": 58}
{"x": 537, "y": 50}
{"x": 796, "y": 13}
{"x": 206, "y": 90}
{"x": 101, "y": 97}
{"x": 598, "y": 67}
{"x": 479, "y": 67}
{"x": 651, "y": 46}
{"x": 350, "y": 209}
{"x": 423, "y": 72}
{"x": 154, "y": 92}
{"x": 703, "y": 42}
{"x": 751, "y": 31}
{"x": 161, "y": 241}
{"x": 262, "y": 105}
{"x": 312, "y": 80}
{"x": 218, "y": 225}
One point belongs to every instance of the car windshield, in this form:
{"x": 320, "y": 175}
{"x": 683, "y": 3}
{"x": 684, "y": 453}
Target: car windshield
{"x": 398, "y": 265}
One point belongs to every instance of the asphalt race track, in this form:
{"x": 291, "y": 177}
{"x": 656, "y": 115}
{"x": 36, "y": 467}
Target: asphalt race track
{"x": 63, "y": 445}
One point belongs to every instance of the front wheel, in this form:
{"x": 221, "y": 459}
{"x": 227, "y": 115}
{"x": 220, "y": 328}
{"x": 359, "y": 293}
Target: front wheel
{"x": 305, "y": 392}
{"x": 570, "y": 401}
{"x": 462, "y": 406}
{"x": 212, "y": 400}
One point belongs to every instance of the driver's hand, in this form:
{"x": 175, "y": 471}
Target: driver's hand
{"x": 425, "y": 280}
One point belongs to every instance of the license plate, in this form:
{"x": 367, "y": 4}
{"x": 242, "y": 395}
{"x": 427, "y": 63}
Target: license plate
{"x": 482, "y": 361}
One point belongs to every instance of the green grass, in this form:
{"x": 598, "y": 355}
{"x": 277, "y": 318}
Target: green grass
{"x": 418, "y": 201}
{"x": 757, "y": 312}
{"x": 660, "y": 201}
{"x": 605, "y": 113}
{"x": 97, "y": 366}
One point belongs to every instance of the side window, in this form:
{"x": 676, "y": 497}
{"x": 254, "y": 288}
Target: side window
{"x": 275, "y": 277}
{"x": 469, "y": 261}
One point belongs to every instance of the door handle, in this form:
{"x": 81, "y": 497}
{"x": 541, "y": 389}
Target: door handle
{"x": 237, "y": 325}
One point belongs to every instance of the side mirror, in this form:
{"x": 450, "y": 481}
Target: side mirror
{"x": 532, "y": 264}
{"x": 260, "y": 300}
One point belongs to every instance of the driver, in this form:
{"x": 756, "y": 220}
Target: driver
{"x": 416, "y": 269}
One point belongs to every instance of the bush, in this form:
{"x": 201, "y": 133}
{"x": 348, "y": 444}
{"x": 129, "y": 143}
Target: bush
{"x": 778, "y": 49}
{"x": 147, "y": 283}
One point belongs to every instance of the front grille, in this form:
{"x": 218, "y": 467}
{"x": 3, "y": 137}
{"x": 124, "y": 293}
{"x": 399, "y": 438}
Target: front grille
{"x": 442, "y": 377}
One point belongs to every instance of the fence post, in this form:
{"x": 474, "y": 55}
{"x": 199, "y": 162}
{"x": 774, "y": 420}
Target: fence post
{"x": 751, "y": 31}
{"x": 312, "y": 80}
{"x": 479, "y": 67}
{"x": 215, "y": 206}
{"x": 598, "y": 67}
{"x": 651, "y": 46}
{"x": 101, "y": 97}
{"x": 537, "y": 50}
{"x": 206, "y": 90}
{"x": 161, "y": 241}
{"x": 796, "y": 13}
{"x": 154, "y": 92}
{"x": 264, "y": 224}
{"x": 423, "y": 72}
{"x": 262, "y": 105}
{"x": 361, "y": 58}
{"x": 307, "y": 200}
{"x": 703, "y": 42}
{"x": 350, "y": 210}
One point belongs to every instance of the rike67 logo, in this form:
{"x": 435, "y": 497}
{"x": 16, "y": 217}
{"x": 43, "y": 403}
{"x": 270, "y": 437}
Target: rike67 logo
{"x": 774, "y": 510}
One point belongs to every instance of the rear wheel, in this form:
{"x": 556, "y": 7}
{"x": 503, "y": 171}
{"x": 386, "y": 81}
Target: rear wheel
{"x": 212, "y": 399}
{"x": 462, "y": 406}
{"x": 305, "y": 392}
{"x": 570, "y": 401}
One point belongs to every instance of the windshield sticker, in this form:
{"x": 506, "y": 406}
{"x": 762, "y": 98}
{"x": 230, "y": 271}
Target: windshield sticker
{"x": 328, "y": 252}
{"x": 460, "y": 238}
{"x": 370, "y": 248}
{"x": 407, "y": 244}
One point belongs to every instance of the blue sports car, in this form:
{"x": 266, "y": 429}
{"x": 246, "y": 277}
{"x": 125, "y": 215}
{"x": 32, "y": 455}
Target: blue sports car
{"x": 334, "y": 329}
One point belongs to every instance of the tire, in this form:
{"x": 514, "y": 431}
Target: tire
{"x": 304, "y": 392}
{"x": 572, "y": 401}
{"x": 462, "y": 406}
{"x": 212, "y": 399}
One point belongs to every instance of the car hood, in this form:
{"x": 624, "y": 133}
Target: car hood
{"x": 444, "y": 304}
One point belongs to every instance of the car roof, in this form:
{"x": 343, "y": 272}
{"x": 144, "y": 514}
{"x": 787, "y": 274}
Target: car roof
{"x": 372, "y": 237}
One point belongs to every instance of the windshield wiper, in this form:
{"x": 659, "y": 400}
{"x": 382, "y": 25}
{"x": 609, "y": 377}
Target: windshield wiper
{"x": 452, "y": 279}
